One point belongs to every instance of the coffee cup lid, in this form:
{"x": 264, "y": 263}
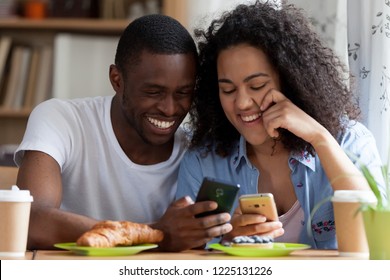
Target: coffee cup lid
{"x": 15, "y": 195}
{"x": 354, "y": 196}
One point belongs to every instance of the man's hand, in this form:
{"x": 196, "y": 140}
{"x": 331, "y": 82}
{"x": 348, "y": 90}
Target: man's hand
{"x": 182, "y": 231}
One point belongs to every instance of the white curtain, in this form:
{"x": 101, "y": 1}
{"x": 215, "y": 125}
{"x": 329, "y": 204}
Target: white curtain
{"x": 369, "y": 61}
{"x": 329, "y": 19}
{"x": 359, "y": 32}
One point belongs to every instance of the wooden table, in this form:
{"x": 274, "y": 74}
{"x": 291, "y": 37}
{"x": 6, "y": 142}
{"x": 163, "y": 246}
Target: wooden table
{"x": 191, "y": 255}
{"x": 28, "y": 256}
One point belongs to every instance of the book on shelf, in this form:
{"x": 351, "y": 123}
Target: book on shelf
{"x": 19, "y": 66}
{"x": 44, "y": 77}
{"x": 75, "y": 9}
{"x": 107, "y": 9}
{"x": 30, "y": 76}
{"x": 119, "y": 9}
{"x": 31, "y": 84}
{"x": 5, "y": 47}
{"x": 22, "y": 80}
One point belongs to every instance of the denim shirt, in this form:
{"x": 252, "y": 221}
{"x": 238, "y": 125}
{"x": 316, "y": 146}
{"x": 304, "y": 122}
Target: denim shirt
{"x": 310, "y": 182}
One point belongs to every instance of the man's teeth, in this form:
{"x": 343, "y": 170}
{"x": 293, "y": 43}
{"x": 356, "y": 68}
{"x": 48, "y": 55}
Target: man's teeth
{"x": 251, "y": 118}
{"x": 161, "y": 124}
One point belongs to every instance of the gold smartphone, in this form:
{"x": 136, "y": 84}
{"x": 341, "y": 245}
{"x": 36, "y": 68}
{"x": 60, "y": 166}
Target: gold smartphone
{"x": 261, "y": 203}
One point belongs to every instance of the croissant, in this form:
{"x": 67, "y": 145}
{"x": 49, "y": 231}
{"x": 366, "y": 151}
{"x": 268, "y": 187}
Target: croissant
{"x": 115, "y": 233}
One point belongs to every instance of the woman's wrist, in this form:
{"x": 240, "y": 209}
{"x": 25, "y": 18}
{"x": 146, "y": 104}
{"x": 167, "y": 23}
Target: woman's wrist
{"x": 324, "y": 139}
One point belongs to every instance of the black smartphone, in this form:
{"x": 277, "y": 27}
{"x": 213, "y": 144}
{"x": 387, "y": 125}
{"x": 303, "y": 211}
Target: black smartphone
{"x": 224, "y": 193}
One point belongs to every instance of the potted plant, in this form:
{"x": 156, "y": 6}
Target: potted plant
{"x": 377, "y": 217}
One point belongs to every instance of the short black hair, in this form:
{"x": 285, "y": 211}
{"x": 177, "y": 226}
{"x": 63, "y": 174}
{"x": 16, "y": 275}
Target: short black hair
{"x": 157, "y": 34}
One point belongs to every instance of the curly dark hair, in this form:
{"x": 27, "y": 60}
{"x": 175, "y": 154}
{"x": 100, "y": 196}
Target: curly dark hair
{"x": 157, "y": 34}
{"x": 311, "y": 75}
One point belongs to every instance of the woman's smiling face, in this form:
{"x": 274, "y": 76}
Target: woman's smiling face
{"x": 245, "y": 75}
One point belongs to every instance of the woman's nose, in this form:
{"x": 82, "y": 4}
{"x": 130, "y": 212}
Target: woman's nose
{"x": 243, "y": 99}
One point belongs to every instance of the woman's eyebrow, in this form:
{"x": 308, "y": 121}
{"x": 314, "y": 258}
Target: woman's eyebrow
{"x": 256, "y": 75}
{"x": 247, "y": 79}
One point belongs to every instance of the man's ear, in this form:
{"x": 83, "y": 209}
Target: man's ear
{"x": 115, "y": 78}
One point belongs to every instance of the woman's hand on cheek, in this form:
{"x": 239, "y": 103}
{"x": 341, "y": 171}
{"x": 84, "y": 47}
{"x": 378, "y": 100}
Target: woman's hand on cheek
{"x": 271, "y": 98}
{"x": 270, "y": 107}
{"x": 280, "y": 112}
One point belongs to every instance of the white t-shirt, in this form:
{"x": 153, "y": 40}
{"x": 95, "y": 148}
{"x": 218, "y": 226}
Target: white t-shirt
{"x": 98, "y": 179}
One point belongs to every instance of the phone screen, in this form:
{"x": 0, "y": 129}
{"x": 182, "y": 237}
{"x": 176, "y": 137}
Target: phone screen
{"x": 224, "y": 193}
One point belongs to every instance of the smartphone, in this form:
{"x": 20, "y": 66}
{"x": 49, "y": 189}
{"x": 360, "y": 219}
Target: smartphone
{"x": 224, "y": 193}
{"x": 261, "y": 203}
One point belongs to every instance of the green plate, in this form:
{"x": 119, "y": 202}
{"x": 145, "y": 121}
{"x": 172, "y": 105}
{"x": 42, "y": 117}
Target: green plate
{"x": 113, "y": 251}
{"x": 279, "y": 249}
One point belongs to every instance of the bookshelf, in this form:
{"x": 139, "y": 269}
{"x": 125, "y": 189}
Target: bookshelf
{"x": 38, "y": 33}
{"x": 55, "y": 25}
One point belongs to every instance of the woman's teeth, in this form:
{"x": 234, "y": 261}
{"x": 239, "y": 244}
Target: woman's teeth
{"x": 251, "y": 117}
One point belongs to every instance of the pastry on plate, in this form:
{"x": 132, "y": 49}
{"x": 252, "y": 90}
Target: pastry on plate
{"x": 119, "y": 233}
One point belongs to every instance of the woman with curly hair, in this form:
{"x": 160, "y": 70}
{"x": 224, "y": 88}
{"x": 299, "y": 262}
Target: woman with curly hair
{"x": 273, "y": 113}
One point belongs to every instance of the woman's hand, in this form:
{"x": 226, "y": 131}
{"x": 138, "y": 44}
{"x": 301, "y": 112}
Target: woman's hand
{"x": 253, "y": 224}
{"x": 280, "y": 112}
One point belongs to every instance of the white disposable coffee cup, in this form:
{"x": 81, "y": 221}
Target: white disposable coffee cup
{"x": 350, "y": 232}
{"x": 15, "y": 206}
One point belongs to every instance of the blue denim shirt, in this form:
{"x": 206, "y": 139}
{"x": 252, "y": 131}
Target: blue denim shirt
{"x": 310, "y": 182}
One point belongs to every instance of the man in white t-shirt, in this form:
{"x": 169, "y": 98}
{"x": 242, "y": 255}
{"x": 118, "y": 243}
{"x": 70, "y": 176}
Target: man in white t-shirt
{"x": 117, "y": 157}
